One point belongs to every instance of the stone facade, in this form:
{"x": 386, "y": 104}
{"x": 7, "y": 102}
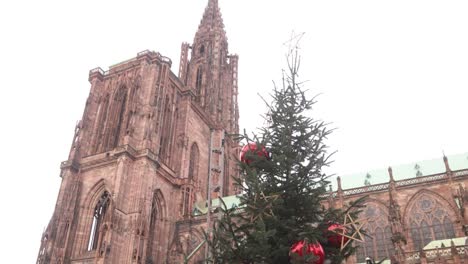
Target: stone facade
{"x": 403, "y": 216}
{"x": 149, "y": 145}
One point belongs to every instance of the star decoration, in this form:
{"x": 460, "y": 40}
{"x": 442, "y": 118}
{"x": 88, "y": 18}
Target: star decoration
{"x": 352, "y": 224}
{"x": 264, "y": 208}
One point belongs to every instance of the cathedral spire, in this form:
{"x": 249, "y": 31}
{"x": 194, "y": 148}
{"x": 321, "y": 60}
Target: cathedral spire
{"x": 212, "y": 18}
{"x": 211, "y": 24}
{"x": 210, "y": 72}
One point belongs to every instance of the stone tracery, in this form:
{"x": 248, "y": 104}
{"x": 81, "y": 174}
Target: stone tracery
{"x": 429, "y": 220}
{"x": 378, "y": 243}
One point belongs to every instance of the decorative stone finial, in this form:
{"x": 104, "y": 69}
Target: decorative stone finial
{"x": 447, "y": 166}
{"x": 390, "y": 173}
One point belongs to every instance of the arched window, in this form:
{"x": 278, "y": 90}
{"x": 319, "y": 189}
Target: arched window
{"x": 98, "y": 217}
{"x": 429, "y": 220}
{"x": 187, "y": 200}
{"x": 114, "y": 124}
{"x": 202, "y": 50}
{"x": 152, "y": 227}
{"x": 193, "y": 165}
{"x": 101, "y": 116}
{"x": 378, "y": 244}
{"x": 155, "y": 237}
{"x": 166, "y": 128}
{"x": 198, "y": 82}
{"x": 121, "y": 101}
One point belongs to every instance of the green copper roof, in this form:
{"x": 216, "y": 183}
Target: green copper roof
{"x": 405, "y": 171}
{"x": 201, "y": 208}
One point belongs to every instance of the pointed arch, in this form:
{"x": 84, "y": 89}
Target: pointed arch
{"x": 98, "y": 228}
{"x": 93, "y": 194}
{"x": 429, "y": 217}
{"x": 382, "y": 204}
{"x": 437, "y": 196}
{"x": 158, "y": 215}
{"x": 88, "y": 208}
{"x": 97, "y": 209}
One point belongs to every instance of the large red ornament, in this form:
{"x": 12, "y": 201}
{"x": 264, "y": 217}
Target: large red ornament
{"x": 312, "y": 250}
{"x": 335, "y": 235}
{"x": 252, "y": 147}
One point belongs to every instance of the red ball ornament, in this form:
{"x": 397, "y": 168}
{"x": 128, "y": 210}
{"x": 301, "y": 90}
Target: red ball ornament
{"x": 252, "y": 147}
{"x": 334, "y": 235}
{"x": 314, "y": 250}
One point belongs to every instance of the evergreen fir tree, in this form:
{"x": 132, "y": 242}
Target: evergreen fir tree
{"x": 282, "y": 193}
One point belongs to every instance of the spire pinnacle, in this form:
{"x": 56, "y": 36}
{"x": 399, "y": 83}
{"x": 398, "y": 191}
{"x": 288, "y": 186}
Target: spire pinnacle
{"x": 213, "y": 2}
{"x": 390, "y": 173}
{"x": 447, "y": 166}
{"x": 338, "y": 181}
{"x": 212, "y": 19}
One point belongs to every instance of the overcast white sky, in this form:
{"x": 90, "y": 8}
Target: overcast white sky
{"x": 393, "y": 77}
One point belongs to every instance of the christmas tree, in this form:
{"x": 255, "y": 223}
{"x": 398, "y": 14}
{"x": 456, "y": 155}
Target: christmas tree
{"x": 283, "y": 187}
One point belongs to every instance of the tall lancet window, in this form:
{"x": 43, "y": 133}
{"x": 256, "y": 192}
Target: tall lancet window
{"x": 121, "y": 103}
{"x": 378, "y": 244}
{"x": 193, "y": 165}
{"x": 187, "y": 199}
{"x": 154, "y": 218}
{"x": 166, "y": 128}
{"x": 100, "y": 121}
{"x": 198, "y": 82}
{"x": 98, "y": 217}
{"x": 202, "y": 50}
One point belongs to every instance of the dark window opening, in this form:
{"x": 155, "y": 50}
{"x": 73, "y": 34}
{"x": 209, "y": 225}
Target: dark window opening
{"x": 202, "y": 49}
{"x": 98, "y": 216}
{"x": 152, "y": 228}
{"x": 120, "y": 120}
{"x": 198, "y": 82}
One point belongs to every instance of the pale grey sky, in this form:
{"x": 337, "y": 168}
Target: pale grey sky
{"x": 392, "y": 74}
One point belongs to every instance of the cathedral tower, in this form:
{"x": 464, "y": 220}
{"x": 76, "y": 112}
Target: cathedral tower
{"x": 149, "y": 145}
{"x": 211, "y": 72}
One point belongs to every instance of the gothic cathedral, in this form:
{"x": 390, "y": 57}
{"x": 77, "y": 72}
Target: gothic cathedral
{"x": 149, "y": 146}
